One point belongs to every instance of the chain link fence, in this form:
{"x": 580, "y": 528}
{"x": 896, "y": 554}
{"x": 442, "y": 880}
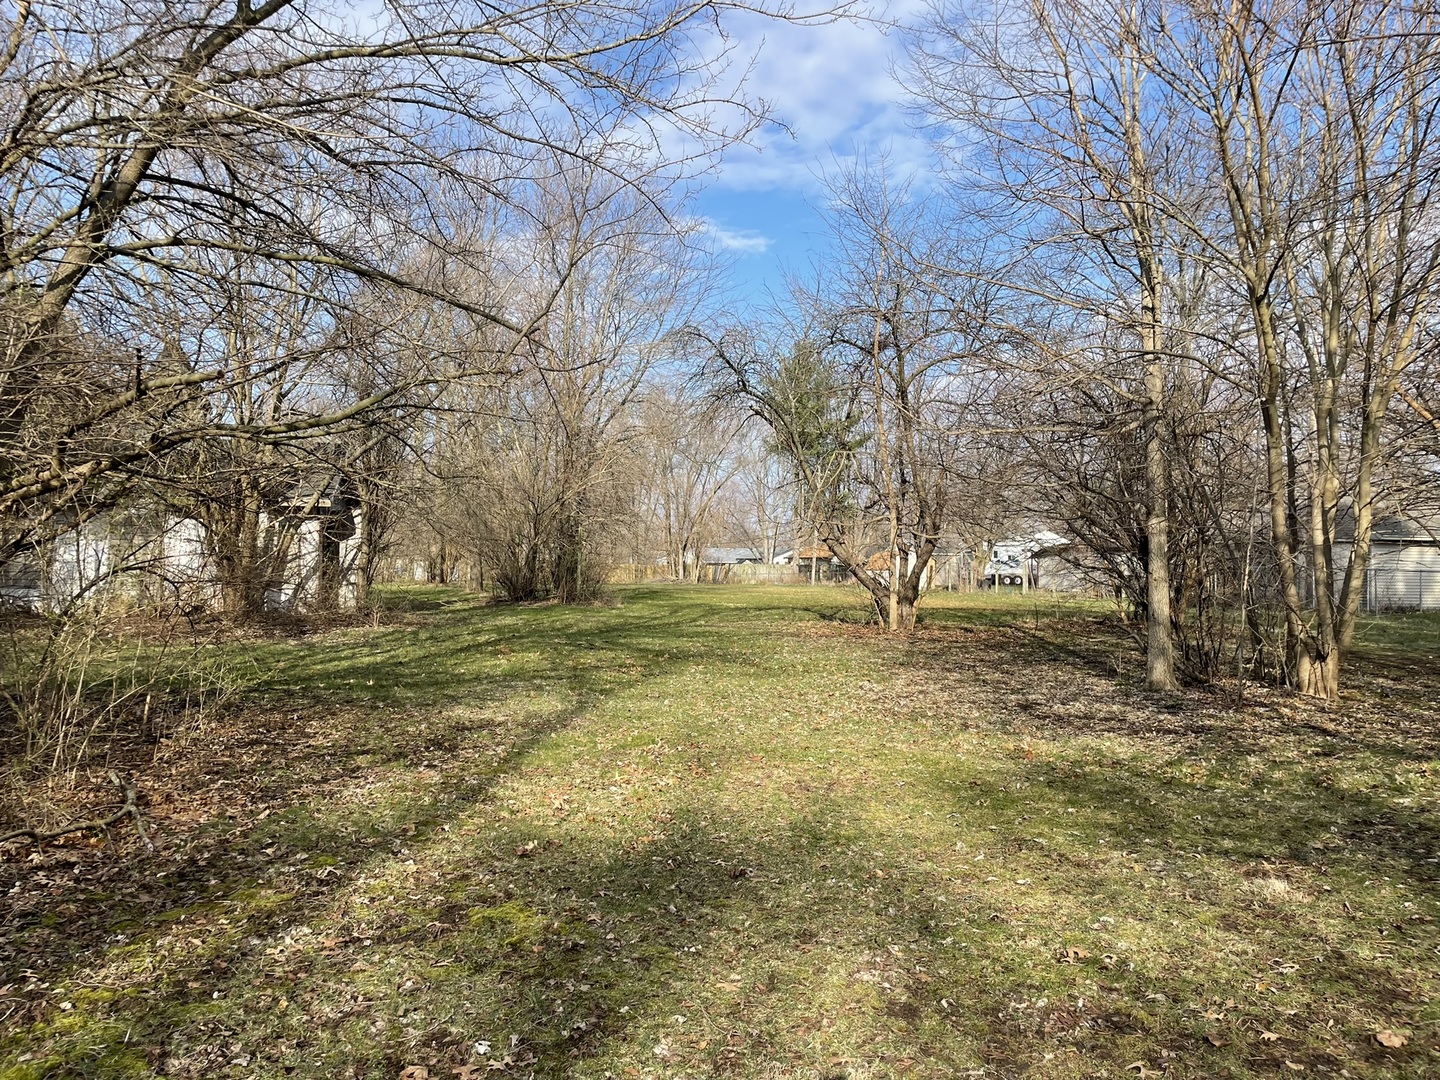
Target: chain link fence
{"x": 1394, "y": 589}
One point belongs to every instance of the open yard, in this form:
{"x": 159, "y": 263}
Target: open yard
{"x": 736, "y": 832}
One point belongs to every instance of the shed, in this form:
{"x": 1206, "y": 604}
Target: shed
{"x": 1404, "y": 569}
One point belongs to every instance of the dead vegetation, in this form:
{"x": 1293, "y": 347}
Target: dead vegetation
{"x": 705, "y": 832}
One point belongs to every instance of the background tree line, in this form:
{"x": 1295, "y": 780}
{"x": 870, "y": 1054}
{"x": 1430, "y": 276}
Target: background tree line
{"x": 1172, "y": 294}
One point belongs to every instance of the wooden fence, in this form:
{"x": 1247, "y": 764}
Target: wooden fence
{"x": 717, "y": 574}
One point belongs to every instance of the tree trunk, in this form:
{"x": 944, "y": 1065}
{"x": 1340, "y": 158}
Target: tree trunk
{"x": 327, "y": 570}
{"x": 904, "y": 608}
{"x": 1159, "y": 633}
{"x": 895, "y": 614}
{"x": 1317, "y": 672}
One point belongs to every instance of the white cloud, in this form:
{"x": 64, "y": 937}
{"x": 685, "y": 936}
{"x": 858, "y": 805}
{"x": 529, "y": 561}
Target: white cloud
{"x": 833, "y": 87}
{"x": 740, "y": 241}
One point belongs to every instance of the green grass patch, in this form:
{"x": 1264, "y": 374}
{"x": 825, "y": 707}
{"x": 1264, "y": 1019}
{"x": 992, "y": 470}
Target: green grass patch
{"x": 738, "y": 832}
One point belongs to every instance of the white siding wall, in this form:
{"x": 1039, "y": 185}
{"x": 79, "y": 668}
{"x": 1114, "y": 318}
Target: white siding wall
{"x": 165, "y": 564}
{"x": 1403, "y": 577}
{"x": 1399, "y": 576}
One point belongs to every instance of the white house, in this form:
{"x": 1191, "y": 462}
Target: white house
{"x": 1404, "y": 570}
{"x": 153, "y": 556}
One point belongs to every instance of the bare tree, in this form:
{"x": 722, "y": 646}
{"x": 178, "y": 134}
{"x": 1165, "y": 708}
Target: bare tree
{"x": 762, "y": 510}
{"x": 549, "y": 459}
{"x": 1064, "y": 144}
{"x": 865, "y": 404}
{"x": 1321, "y": 119}
{"x": 1287, "y": 149}
{"x": 142, "y": 140}
{"x": 690, "y": 444}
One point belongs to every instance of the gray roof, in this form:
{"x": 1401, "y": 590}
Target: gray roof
{"x": 723, "y": 555}
{"x": 1406, "y": 529}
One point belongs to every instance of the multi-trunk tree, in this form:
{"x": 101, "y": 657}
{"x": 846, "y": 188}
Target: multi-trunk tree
{"x": 1282, "y": 152}
{"x": 1063, "y": 150}
{"x": 1320, "y": 120}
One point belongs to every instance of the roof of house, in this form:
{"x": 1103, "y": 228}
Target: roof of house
{"x": 319, "y": 492}
{"x": 1404, "y": 529}
{"x": 1407, "y": 527}
{"x": 726, "y": 555}
{"x": 1030, "y": 545}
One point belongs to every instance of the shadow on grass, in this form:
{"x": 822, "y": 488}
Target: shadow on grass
{"x": 707, "y": 951}
{"x": 1297, "y": 816}
{"x": 550, "y": 960}
{"x": 1226, "y": 876}
{"x": 394, "y": 915}
{"x": 429, "y": 716}
{"x": 735, "y": 952}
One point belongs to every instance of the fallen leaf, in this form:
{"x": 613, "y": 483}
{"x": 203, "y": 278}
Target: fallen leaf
{"x": 415, "y": 1072}
{"x": 1295, "y": 1065}
{"x": 1144, "y": 1072}
{"x": 467, "y": 1072}
{"x": 1216, "y": 1040}
{"x": 1269, "y": 1036}
{"x": 1393, "y": 1039}
{"x": 525, "y": 850}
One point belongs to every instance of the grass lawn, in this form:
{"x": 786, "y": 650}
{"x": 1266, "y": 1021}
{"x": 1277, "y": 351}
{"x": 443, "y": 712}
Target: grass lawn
{"x": 737, "y": 832}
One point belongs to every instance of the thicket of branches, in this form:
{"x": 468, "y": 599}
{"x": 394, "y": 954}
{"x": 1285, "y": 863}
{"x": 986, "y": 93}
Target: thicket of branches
{"x": 217, "y": 217}
{"x": 258, "y": 259}
{"x": 1174, "y": 295}
{"x": 1229, "y": 209}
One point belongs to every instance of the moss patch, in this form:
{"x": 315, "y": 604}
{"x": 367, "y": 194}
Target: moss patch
{"x": 737, "y": 832}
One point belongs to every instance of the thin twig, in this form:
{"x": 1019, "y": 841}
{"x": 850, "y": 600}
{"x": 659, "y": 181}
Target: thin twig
{"x": 129, "y": 809}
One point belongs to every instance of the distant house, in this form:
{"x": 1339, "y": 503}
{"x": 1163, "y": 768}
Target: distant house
{"x": 308, "y": 544}
{"x": 20, "y": 585}
{"x": 881, "y": 564}
{"x": 952, "y": 566}
{"x": 793, "y": 556}
{"x": 802, "y": 558}
{"x": 732, "y": 556}
{"x": 814, "y": 562}
{"x": 1034, "y": 560}
{"x": 742, "y": 566}
{"x": 1404, "y": 569}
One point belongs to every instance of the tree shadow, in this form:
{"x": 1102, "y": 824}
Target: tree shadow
{"x": 370, "y": 904}
{"x": 266, "y": 775}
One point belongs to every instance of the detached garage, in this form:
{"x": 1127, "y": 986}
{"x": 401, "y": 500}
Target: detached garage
{"x": 1404, "y": 570}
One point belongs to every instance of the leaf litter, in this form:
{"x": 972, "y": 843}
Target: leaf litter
{"x": 838, "y": 821}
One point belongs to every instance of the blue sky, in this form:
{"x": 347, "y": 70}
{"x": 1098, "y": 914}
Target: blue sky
{"x": 832, "y": 87}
